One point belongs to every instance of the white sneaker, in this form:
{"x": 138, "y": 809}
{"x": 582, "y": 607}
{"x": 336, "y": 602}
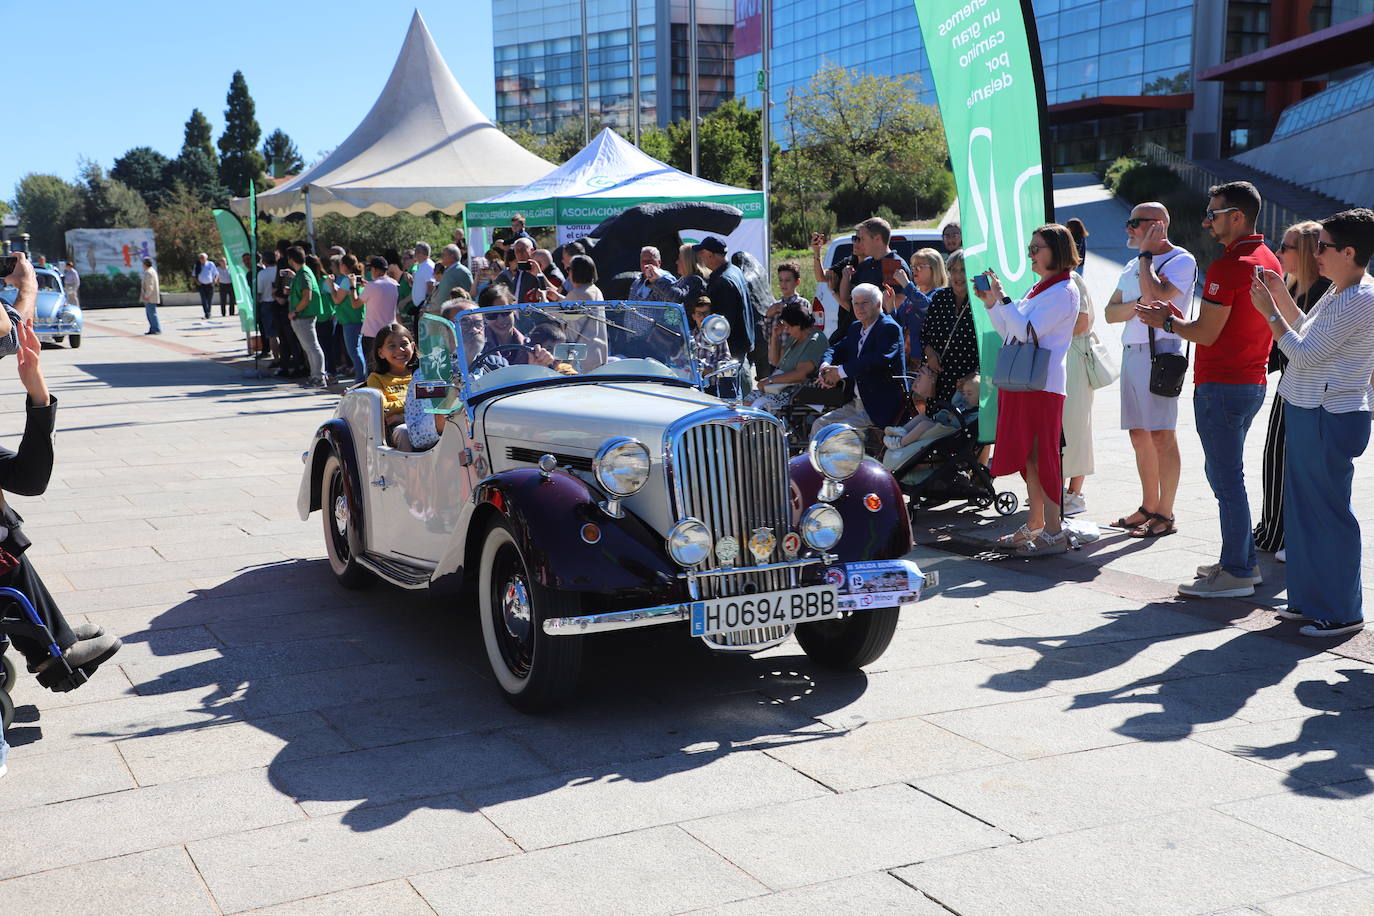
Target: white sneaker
{"x": 1218, "y": 584}
{"x": 1281, "y": 555}
{"x": 1074, "y": 504}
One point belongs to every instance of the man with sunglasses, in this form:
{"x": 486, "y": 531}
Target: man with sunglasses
{"x": 1233, "y": 342}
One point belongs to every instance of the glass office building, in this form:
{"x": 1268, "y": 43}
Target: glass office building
{"x": 538, "y": 59}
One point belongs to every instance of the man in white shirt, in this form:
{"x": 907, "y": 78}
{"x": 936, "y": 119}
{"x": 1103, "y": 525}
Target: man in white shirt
{"x": 206, "y": 275}
{"x": 266, "y": 279}
{"x": 424, "y": 272}
{"x": 71, "y": 282}
{"x": 379, "y": 298}
{"x": 643, "y": 289}
{"x": 1167, "y": 273}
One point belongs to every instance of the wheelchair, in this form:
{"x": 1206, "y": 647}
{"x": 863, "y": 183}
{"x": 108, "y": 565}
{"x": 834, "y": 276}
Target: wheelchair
{"x": 58, "y": 676}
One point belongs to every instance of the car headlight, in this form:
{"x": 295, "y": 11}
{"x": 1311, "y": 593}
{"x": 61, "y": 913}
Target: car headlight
{"x": 837, "y": 451}
{"x": 622, "y": 466}
{"x": 689, "y": 542}
{"x": 822, "y": 527}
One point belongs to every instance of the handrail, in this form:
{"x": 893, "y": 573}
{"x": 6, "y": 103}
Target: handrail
{"x": 1273, "y": 219}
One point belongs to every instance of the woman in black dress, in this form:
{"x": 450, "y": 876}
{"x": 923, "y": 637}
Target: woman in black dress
{"x": 1298, "y": 252}
{"x": 948, "y": 337}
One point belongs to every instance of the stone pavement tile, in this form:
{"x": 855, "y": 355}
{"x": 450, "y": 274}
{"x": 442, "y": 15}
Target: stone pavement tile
{"x": 1076, "y": 627}
{"x": 108, "y": 684}
{"x": 1317, "y": 749}
{"x": 102, "y": 559}
{"x": 837, "y": 836}
{"x": 1029, "y": 798}
{"x": 140, "y": 819}
{"x": 603, "y": 733}
{"x": 942, "y": 645}
{"x": 1334, "y": 684}
{"x": 359, "y": 623}
{"x": 1098, "y": 666}
{"x": 1066, "y": 598}
{"x": 661, "y": 870}
{"x": 1334, "y": 820}
{"x": 903, "y": 693}
{"x": 1186, "y": 862}
{"x": 72, "y": 727}
{"x": 275, "y": 696}
{"x": 166, "y": 674}
{"x": 876, "y": 892}
{"x": 108, "y": 536}
{"x": 32, "y": 781}
{"x": 421, "y": 769}
{"x": 160, "y": 882}
{"x": 226, "y": 748}
{"x": 900, "y": 750}
{"x": 146, "y": 647}
{"x": 1231, "y": 649}
{"x": 322, "y": 855}
{"x": 1350, "y": 897}
{"x": 941, "y": 607}
{"x": 169, "y": 571}
{"x": 389, "y": 898}
{"x": 165, "y": 594}
{"x": 581, "y": 805}
{"x": 378, "y": 721}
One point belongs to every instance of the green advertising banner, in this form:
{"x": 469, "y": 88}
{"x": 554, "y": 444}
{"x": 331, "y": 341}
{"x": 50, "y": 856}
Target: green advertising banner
{"x": 236, "y": 245}
{"x": 986, "y": 66}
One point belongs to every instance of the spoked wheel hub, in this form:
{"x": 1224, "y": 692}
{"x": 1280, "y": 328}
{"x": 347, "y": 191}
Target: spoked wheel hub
{"x": 512, "y": 607}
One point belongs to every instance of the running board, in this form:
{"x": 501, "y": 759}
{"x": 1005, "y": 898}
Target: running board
{"x": 397, "y": 572}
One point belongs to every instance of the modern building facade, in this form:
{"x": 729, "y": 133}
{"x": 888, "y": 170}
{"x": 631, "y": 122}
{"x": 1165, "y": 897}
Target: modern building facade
{"x": 539, "y": 71}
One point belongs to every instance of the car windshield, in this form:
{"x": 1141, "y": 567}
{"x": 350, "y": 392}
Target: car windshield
{"x": 553, "y": 342}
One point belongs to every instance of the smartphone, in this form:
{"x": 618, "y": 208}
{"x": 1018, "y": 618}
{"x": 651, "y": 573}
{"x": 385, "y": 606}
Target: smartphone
{"x": 982, "y": 283}
{"x": 526, "y": 266}
{"x": 890, "y": 267}
{"x": 7, "y": 264}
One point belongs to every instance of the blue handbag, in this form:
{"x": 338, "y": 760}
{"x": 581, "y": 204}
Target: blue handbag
{"x": 1022, "y": 365}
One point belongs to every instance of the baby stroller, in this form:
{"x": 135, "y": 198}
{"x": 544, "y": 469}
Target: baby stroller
{"x": 947, "y": 469}
{"x": 59, "y": 674}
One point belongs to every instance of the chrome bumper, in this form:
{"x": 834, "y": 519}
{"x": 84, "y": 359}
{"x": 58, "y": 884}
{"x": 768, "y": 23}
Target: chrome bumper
{"x": 853, "y": 597}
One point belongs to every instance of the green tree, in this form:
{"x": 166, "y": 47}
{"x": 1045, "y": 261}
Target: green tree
{"x": 197, "y": 171}
{"x": 281, "y": 154}
{"x": 239, "y": 159}
{"x": 107, "y": 203}
{"x": 197, "y": 134}
{"x": 557, "y": 147}
{"x": 47, "y": 206}
{"x": 146, "y": 171}
{"x": 729, "y": 145}
{"x": 184, "y": 228}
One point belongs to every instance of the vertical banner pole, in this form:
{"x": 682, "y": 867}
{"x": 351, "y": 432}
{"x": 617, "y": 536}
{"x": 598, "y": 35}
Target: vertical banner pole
{"x": 309, "y": 220}
{"x": 766, "y": 123}
{"x": 693, "y": 90}
{"x": 634, "y": 69}
{"x": 992, "y": 103}
{"x": 586, "y": 81}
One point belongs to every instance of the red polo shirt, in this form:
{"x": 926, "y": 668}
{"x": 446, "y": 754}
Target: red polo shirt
{"x": 1240, "y": 354}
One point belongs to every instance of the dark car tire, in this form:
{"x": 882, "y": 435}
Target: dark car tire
{"x": 8, "y": 671}
{"x": 336, "y": 511}
{"x": 74, "y": 341}
{"x": 849, "y": 643}
{"x": 536, "y": 672}
{"x": 6, "y": 711}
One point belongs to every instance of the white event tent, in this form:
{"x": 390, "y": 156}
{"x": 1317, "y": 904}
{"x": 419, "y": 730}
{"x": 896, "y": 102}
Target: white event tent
{"x": 423, "y": 146}
{"x": 606, "y": 178}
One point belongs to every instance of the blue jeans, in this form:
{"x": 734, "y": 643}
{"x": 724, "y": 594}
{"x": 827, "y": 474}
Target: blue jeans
{"x": 1223, "y": 413}
{"x": 207, "y": 296}
{"x": 150, "y": 309}
{"x": 353, "y": 346}
{"x": 1322, "y": 533}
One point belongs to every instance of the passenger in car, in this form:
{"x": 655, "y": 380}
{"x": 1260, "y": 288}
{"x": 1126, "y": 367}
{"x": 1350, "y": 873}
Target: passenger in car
{"x": 394, "y": 360}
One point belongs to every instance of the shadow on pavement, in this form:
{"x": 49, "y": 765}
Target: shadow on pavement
{"x": 384, "y": 698}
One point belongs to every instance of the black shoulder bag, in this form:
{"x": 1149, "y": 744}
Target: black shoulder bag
{"x": 1168, "y": 369}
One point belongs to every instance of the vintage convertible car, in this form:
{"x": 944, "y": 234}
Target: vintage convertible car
{"x": 607, "y": 491}
{"x": 54, "y": 317}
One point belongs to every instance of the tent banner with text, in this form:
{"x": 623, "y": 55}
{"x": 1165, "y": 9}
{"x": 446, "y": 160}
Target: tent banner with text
{"x": 985, "y": 77}
{"x": 236, "y": 247}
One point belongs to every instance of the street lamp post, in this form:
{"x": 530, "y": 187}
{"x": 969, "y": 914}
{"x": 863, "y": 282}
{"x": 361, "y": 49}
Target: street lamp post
{"x": 693, "y": 103}
{"x": 766, "y": 118}
{"x": 586, "y": 82}
{"x": 634, "y": 69}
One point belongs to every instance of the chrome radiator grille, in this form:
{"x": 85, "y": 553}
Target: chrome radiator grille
{"x": 732, "y": 474}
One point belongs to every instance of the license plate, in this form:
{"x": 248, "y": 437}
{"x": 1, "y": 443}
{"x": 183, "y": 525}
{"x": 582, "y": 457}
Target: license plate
{"x": 766, "y": 609}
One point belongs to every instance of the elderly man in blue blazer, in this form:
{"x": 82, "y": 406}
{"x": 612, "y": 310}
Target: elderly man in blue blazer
{"x": 871, "y": 354}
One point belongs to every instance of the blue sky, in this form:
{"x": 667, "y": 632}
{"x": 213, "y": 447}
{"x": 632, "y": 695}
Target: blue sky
{"x": 110, "y": 76}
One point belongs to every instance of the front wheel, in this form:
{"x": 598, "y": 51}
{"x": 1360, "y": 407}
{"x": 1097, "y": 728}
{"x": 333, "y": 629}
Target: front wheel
{"x": 849, "y": 643}
{"x": 336, "y": 509}
{"x": 6, "y": 711}
{"x": 74, "y": 341}
{"x": 536, "y": 671}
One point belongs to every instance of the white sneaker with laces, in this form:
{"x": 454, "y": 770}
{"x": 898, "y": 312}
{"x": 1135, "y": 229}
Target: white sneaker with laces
{"x": 1319, "y": 628}
{"x": 1075, "y": 504}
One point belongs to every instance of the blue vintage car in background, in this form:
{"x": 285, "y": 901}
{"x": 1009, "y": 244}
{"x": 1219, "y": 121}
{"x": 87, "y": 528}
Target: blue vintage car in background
{"x": 54, "y": 317}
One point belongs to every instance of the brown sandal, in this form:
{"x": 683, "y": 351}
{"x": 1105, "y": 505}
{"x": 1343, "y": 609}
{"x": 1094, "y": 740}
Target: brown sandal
{"x": 1124, "y": 523}
{"x": 1148, "y": 529}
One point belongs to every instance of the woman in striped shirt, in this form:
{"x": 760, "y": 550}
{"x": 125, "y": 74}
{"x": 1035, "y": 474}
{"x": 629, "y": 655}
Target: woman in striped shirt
{"x": 1327, "y": 402}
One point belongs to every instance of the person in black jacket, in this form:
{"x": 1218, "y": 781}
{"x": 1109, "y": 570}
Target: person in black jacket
{"x": 26, "y": 473}
{"x": 729, "y": 295}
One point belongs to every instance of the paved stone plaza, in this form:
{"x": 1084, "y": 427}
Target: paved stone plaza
{"x": 1063, "y": 738}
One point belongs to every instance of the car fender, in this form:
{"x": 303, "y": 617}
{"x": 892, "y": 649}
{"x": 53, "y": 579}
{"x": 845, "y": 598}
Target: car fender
{"x": 334, "y": 438}
{"x": 881, "y": 533}
{"x": 547, "y": 513}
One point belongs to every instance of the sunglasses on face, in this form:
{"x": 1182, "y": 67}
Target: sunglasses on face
{"x": 1323, "y": 246}
{"x": 1032, "y": 249}
{"x": 1135, "y": 221}
{"x": 1210, "y": 215}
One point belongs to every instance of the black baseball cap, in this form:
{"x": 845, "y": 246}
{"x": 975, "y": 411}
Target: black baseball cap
{"x": 710, "y": 243}
{"x": 377, "y": 262}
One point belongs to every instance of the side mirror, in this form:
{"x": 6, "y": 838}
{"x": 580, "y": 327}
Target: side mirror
{"x": 716, "y": 329}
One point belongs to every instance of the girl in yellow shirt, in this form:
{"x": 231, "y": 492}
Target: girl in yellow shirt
{"x": 394, "y": 358}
